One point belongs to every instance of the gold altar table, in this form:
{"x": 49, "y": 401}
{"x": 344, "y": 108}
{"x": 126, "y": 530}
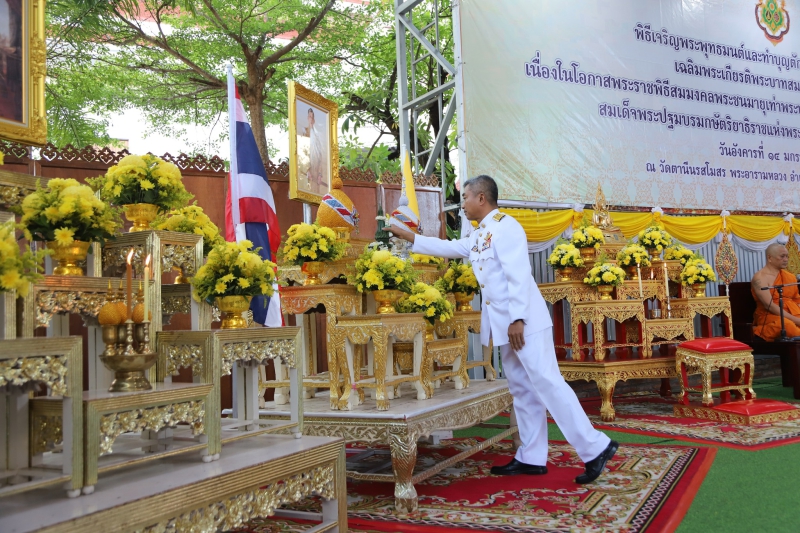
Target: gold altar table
{"x": 382, "y": 330}
{"x": 707, "y": 308}
{"x": 597, "y": 312}
{"x": 338, "y": 300}
{"x": 668, "y": 329}
{"x": 608, "y": 372}
{"x": 651, "y": 288}
{"x": 214, "y": 353}
{"x": 459, "y": 327}
{"x": 56, "y": 363}
{"x": 110, "y": 415}
{"x": 407, "y": 420}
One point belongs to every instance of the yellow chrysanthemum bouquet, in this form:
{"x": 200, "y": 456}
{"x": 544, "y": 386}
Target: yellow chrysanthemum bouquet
{"x": 65, "y": 211}
{"x": 633, "y": 255}
{"x": 311, "y": 242}
{"x": 233, "y": 270}
{"x": 588, "y": 236}
{"x": 565, "y": 255}
{"x": 678, "y": 252}
{"x": 145, "y": 179}
{"x": 17, "y": 269}
{"x": 458, "y": 278}
{"x": 423, "y": 259}
{"x": 697, "y": 270}
{"x": 378, "y": 269}
{"x": 655, "y": 238}
{"x": 428, "y": 301}
{"x": 191, "y": 219}
{"x": 604, "y": 273}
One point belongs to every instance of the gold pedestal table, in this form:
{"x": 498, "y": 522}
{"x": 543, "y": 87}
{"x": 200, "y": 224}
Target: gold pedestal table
{"x": 597, "y": 312}
{"x": 459, "y": 327}
{"x": 400, "y": 427}
{"x": 25, "y": 364}
{"x": 667, "y": 329}
{"x": 707, "y": 308}
{"x": 241, "y": 352}
{"x": 378, "y": 332}
{"x": 338, "y": 300}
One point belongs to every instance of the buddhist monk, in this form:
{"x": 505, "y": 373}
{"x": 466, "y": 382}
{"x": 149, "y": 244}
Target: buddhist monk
{"x": 767, "y": 320}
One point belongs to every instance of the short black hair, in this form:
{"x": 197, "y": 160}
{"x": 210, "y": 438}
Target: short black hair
{"x": 486, "y": 185}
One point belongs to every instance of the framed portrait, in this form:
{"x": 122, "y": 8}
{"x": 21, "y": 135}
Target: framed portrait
{"x": 22, "y": 72}
{"x": 313, "y": 144}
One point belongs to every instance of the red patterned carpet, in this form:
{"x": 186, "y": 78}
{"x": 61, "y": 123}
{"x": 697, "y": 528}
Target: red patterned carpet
{"x": 648, "y": 488}
{"x": 652, "y": 416}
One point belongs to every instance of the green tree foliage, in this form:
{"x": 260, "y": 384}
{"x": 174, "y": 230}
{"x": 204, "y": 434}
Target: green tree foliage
{"x": 167, "y": 59}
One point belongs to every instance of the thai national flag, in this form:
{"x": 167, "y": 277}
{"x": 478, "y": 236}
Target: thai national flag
{"x": 249, "y": 206}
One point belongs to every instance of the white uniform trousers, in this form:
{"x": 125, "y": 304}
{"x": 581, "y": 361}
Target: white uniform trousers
{"x": 537, "y": 386}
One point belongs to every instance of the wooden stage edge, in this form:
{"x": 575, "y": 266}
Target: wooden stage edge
{"x": 252, "y": 478}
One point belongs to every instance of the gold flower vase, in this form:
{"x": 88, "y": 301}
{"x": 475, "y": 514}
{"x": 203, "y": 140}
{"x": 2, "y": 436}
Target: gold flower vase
{"x": 232, "y": 308}
{"x": 385, "y": 299}
{"x": 587, "y": 253}
{"x": 141, "y": 215}
{"x": 631, "y": 272}
{"x": 699, "y": 290}
{"x": 655, "y": 254}
{"x": 605, "y": 291}
{"x": 180, "y": 279}
{"x": 463, "y": 301}
{"x": 68, "y": 257}
{"x": 312, "y": 270}
{"x": 565, "y": 273}
{"x": 429, "y": 332}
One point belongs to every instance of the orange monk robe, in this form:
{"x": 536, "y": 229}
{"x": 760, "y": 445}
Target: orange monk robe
{"x": 768, "y": 326}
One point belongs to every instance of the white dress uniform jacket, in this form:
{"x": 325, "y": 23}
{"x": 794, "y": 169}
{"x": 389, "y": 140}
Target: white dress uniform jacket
{"x": 498, "y": 251}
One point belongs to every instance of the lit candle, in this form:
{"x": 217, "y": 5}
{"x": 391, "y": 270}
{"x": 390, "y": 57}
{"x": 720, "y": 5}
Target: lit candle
{"x": 130, "y": 284}
{"x": 147, "y": 289}
{"x": 639, "y": 275}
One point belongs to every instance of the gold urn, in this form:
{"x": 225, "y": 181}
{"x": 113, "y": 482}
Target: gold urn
{"x": 232, "y": 308}
{"x": 141, "y": 215}
{"x": 68, "y": 257}
{"x": 385, "y": 299}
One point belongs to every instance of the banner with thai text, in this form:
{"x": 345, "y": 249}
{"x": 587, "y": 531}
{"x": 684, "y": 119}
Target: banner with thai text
{"x": 675, "y": 103}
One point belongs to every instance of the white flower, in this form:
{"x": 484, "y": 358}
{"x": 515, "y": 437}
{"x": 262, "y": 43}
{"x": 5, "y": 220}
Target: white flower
{"x": 657, "y": 210}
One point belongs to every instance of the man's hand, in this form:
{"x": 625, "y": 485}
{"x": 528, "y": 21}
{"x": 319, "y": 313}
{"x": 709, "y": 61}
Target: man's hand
{"x": 400, "y": 233}
{"x": 516, "y": 335}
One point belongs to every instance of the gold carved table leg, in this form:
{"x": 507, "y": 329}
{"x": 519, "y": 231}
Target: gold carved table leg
{"x": 488, "y": 364}
{"x": 606, "y": 384}
{"x": 598, "y": 330}
{"x": 345, "y": 401}
{"x": 380, "y": 345}
{"x": 403, "y": 447}
{"x": 422, "y": 364}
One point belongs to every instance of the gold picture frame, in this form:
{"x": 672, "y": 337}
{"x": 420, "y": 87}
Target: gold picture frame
{"x": 313, "y": 144}
{"x": 23, "y": 115}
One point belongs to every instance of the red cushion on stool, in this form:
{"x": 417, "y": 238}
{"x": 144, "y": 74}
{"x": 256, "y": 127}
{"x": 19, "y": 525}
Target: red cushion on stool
{"x": 714, "y": 345}
{"x": 754, "y": 407}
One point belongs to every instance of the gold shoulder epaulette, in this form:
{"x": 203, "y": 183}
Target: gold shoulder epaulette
{"x": 498, "y": 217}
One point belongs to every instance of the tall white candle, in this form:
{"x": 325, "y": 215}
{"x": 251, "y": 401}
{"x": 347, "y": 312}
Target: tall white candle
{"x": 639, "y": 275}
{"x": 147, "y": 289}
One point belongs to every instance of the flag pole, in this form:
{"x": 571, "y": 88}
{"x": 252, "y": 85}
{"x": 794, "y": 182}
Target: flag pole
{"x": 232, "y": 183}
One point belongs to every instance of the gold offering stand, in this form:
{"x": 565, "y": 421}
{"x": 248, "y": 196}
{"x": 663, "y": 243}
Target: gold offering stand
{"x": 331, "y": 269}
{"x": 707, "y": 308}
{"x": 210, "y": 354}
{"x": 382, "y": 330}
{"x": 26, "y": 364}
{"x": 338, "y": 300}
{"x": 597, "y": 312}
{"x": 459, "y": 327}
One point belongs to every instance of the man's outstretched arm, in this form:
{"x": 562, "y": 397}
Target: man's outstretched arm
{"x": 432, "y": 245}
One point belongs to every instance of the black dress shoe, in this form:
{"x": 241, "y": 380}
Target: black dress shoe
{"x": 515, "y": 467}
{"x": 595, "y": 467}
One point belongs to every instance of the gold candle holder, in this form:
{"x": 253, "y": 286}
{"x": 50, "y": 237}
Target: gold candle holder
{"x": 128, "y": 355}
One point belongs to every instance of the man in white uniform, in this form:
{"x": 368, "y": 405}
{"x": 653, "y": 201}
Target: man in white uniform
{"x": 514, "y": 315}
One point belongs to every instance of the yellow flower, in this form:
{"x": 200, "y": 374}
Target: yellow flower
{"x": 220, "y": 287}
{"x": 64, "y": 236}
{"x": 9, "y": 280}
{"x": 244, "y": 282}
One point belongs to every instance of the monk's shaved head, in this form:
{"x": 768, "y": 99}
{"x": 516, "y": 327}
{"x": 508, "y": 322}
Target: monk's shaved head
{"x": 774, "y": 249}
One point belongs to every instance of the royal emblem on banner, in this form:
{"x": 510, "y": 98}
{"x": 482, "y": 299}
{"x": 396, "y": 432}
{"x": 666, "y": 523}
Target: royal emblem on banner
{"x": 773, "y": 19}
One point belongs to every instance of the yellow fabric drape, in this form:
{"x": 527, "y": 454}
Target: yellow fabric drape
{"x": 542, "y": 226}
{"x": 547, "y": 225}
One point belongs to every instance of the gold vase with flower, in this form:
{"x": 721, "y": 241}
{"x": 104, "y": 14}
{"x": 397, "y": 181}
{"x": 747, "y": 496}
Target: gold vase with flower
{"x": 68, "y": 256}
{"x": 312, "y": 270}
{"x": 232, "y": 308}
{"x": 605, "y": 291}
{"x": 141, "y": 215}
{"x": 587, "y": 253}
{"x": 699, "y": 290}
{"x": 385, "y": 299}
{"x": 463, "y": 301}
